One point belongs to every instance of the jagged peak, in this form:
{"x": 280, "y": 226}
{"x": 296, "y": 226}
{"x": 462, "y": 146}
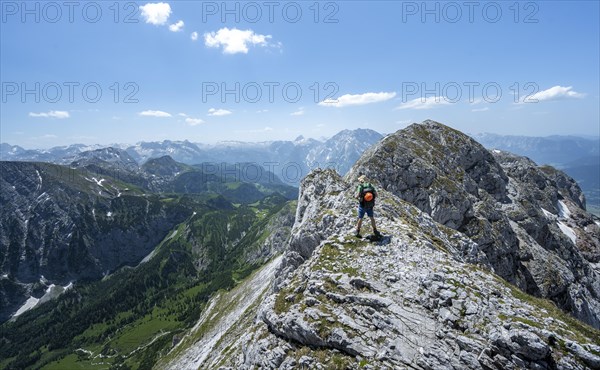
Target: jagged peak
{"x": 410, "y": 300}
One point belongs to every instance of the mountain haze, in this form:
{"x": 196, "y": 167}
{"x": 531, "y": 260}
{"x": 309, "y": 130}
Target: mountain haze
{"x": 578, "y": 157}
{"x": 289, "y": 160}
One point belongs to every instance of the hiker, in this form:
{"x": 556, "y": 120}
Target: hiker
{"x": 366, "y": 195}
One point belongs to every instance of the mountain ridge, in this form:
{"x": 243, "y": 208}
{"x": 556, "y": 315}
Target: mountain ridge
{"x": 63, "y": 224}
{"x": 501, "y": 201}
{"x": 425, "y": 296}
{"x": 300, "y": 155}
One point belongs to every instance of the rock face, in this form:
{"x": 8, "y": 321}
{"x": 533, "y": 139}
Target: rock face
{"x": 60, "y": 224}
{"x": 342, "y": 150}
{"x": 434, "y": 293}
{"x": 422, "y": 298}
{"x": 529, "y": 221}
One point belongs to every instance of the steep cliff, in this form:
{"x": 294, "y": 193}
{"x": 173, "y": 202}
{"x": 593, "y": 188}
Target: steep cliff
{"x": 529, "y": 221}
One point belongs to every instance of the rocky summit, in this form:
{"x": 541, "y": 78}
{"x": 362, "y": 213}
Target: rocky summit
{"x": 487, "y": 261}
{"x": 529, "y": 221}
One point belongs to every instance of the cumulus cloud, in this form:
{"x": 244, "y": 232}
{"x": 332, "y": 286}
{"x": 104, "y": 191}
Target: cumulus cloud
{"x": 555, "y": 93}
{"x": 194, "y": 36}
{"x": 193, "y": 121}
{"x": 51, "y": 114}
{"x": 156, "y": 13}
{"x": 424, "y": 103}
{"x": 234, "y": 41}
{"x": 218, "y": 112}
{"x": 154, "y": 113}
{"x": 176, "y": 27}
{"x": 357, "y": 99}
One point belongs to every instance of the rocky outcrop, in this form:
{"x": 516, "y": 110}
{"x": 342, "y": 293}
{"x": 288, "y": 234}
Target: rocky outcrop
{"x": 421, "y": 298}
{"x": 464, "y": 229}
{"x": 529, "y": 221}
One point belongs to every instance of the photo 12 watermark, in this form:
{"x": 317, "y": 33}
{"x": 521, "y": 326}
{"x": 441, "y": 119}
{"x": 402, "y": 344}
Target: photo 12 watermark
{"x": 267, "y": 91}
{"x": 270, "y": 11}
{"x": 230, "y": 12}
{"x": 69, "y": 11}
{"x": 469, "y": 11}
{"x": 265, "y": 172}
{"x": 288, "y": 172}
{"x": 472, "y": 91}
{"x": 69, "y": 92}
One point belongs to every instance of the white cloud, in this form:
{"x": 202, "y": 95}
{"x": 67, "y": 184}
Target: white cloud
{"x": 218, "y": 112}
{"x": 182, "y": 114}
{"x": 156, "y": 13}
{"x": 52, "y": 114}
{"x": 194, "y": 36}
{"x": 476, "y": 101}
{"x": 193, "y": 121}
{"x": 154, "y": 113}
{"x": 357, "y": 99}
{"x": 262, "y": 111}
{"x": 233, "y": 40}
{"x": 176, "y": 27}
{"x": 299, "y": 112}
{"x": 426, "y": 103}
{"x": 554, "y": 93}
{"x": 480, "y": 109}
{"x": 404, "y": 122}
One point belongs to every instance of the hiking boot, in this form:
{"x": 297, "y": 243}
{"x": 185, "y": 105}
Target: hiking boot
{"x": 357, "y": 234}
{"x": 377, "y": 233}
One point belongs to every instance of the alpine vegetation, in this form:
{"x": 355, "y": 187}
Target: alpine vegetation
{"x": 473, "y": 270}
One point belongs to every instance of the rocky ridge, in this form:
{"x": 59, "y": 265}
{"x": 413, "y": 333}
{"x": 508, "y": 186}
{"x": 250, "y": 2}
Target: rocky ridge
{"x": 433, "y": 294}
{"x": 529, "y": 221}
{"x": 422, "y": 298}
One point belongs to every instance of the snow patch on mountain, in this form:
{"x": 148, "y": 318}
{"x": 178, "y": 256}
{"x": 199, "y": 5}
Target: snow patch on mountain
{"x": 568, "y": 231}
{"x": 563, "y": 210}
{"x": 52, "y": 292}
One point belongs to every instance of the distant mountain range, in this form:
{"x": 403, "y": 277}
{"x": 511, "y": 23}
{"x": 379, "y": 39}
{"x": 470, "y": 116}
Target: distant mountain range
{"x": 103, "y": 211}
{"x": 577, "y": 156}
{"x": 290, "y": 160}
{"x": 556, "y": 151}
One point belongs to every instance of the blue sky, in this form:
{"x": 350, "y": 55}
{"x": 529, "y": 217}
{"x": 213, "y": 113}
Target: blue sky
{"x": 210, "y": 71}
